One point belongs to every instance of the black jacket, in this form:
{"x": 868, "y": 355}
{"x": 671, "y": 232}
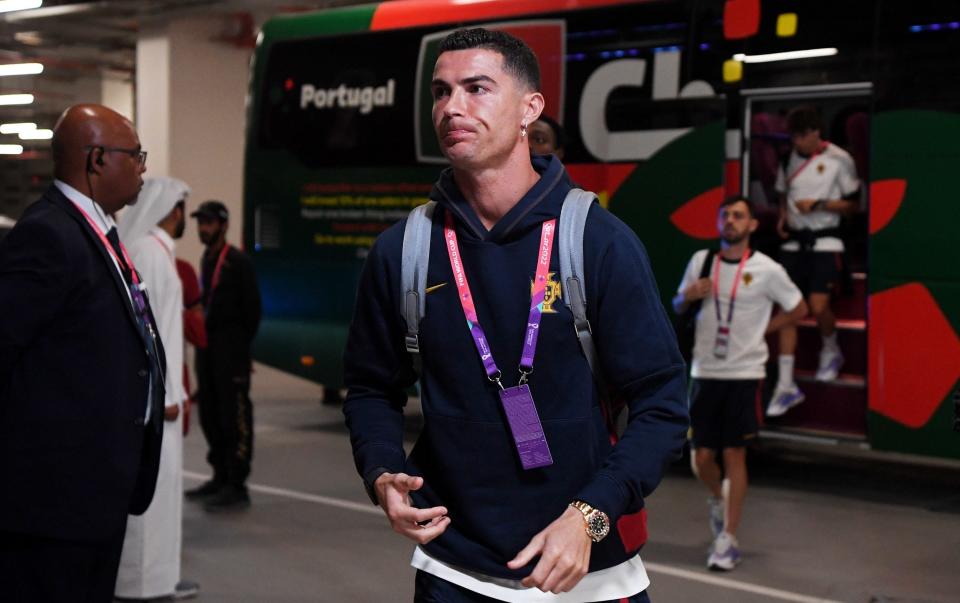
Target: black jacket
{"x": 233, "y": 308}
{"x": 75, "y": 458}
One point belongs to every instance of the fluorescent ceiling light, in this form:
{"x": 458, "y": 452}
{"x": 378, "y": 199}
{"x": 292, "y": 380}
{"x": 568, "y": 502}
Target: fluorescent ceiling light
{"x": 36, "y": 135}
{"x": 7, "y": 6}
{"x": 21, "y": 69}
{"x": 10, "y": 149}
{"x": 16, "y": 99}
{"x": 17, "y": 128}
{"x": 786, "y": 56}
{"x": 53, "y": 11}
{"x": 31, "y": 38}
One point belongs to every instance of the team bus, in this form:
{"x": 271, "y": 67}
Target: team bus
{"x": 668, "y": 106}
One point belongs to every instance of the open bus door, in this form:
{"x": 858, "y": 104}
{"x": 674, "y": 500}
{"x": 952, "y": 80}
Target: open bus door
{"x": 835, "y": 410}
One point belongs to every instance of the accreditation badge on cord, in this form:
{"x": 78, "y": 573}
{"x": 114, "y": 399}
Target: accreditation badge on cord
{"x": 721, "y": 344}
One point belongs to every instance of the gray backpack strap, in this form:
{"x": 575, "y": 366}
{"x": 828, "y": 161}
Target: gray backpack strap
{"x": 573, "y": 219}
{"x": 413, "y": 275}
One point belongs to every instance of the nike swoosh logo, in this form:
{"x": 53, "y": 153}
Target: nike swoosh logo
{"x": 434, "y": 288}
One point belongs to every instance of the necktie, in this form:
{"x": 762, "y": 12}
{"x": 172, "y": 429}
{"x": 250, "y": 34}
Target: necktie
{"x": 114, "y": 239}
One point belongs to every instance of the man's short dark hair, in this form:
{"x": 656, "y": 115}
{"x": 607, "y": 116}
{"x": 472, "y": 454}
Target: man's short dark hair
{"x": 740, "y": 199}
{"x": 802, "y": 119}
{"x": 518, "y": 59}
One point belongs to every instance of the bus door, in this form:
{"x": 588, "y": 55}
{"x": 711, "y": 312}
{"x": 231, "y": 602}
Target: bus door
{"x": 836, "y": 409}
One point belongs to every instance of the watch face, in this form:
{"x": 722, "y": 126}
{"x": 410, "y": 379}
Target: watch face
{"x": 597, "y": 525}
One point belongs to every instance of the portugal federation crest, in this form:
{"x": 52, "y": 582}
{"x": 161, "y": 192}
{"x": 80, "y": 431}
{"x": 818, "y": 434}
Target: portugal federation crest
{"x": 551, "y": 295}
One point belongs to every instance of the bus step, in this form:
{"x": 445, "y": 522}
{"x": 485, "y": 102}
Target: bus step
{"x": 838, "y": 406}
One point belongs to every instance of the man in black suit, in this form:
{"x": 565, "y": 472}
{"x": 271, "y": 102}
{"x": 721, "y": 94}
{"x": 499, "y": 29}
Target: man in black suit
{"x": 81, "y": 383}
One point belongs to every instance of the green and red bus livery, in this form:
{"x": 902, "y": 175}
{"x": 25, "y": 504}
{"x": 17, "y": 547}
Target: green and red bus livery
{"x": 669, "y": 106}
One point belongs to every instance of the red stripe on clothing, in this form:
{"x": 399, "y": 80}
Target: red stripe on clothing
{"x": 633, "y": 530}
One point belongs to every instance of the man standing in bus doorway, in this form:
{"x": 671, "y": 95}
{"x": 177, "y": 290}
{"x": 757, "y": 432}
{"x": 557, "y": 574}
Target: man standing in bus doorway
{"x": 817, "y": 186}
{"x": 729, "y": 359}
{"x": 150, "y": 563}
{"x": 499, "y": 517}
{"x": 231, "y": 302}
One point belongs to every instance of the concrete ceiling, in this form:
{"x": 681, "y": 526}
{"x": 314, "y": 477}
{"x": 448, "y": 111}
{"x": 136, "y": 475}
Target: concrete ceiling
{"x": 81, "y": 42}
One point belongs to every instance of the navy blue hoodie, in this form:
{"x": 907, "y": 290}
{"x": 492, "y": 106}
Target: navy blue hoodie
{"x": 465, "y": 452}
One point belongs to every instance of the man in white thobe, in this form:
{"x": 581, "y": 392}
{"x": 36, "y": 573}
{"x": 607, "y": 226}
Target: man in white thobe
{"x": 150, "y": 564}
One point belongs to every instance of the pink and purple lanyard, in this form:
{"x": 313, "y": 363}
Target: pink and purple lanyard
{"x": 125, "y": 261}
{"x": 136, "y": 289}
{"x": 517, "y": 401}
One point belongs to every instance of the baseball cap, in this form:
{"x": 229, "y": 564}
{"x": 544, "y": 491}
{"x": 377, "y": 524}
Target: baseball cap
{"x": 212, "y": 209}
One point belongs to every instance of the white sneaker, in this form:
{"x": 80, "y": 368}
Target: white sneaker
{"x": 725, "y": 554}
{"x": 784, "y": 398}
{"x": 830, "y": 363}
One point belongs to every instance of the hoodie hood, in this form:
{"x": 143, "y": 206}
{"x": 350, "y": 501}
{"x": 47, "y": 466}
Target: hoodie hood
{"x": 542, "y": 202}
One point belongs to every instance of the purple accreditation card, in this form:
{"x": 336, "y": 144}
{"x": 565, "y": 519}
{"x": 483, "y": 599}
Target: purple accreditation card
{"x": 525, "y": 424}
{"x": 139, "y": 300}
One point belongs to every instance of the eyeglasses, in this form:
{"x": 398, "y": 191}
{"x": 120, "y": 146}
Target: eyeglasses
{"x": 138, "y": 154}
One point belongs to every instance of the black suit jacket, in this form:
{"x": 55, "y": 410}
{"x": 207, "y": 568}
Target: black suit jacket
{"x": 75, "y": 457}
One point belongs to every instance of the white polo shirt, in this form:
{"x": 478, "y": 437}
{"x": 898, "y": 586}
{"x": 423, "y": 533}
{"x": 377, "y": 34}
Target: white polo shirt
{"x": 763, "y": 283}
{"x": 830, "y": 174}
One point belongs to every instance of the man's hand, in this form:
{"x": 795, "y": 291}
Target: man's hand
{"x": 564, "y": 549}
{"x": 698, "y": 290}
{"x": 805, "y": 206}
{"x": 419, "y": 525}
{"x": 170, "y": 413}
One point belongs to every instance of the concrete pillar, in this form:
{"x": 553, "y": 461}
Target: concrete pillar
{"x": 116, "y": 92}
{"x": 191, "y": 91}
{"x": 152, "y": 115}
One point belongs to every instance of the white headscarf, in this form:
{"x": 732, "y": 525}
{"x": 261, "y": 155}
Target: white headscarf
{"x": 157, "y": 198}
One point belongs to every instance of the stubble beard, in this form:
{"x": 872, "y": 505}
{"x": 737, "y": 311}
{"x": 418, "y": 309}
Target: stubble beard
{"x": 734, "y": 238}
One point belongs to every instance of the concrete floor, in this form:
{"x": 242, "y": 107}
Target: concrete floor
{"x": 815, "y": 529}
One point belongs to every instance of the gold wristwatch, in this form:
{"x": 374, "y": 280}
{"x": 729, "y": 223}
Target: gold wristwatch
{"x": 598, "y": 524}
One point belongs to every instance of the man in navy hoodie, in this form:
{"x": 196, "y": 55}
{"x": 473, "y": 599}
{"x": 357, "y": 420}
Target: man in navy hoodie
{"x": 499, "y": 513}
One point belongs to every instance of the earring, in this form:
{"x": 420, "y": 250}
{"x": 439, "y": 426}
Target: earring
{"x": 523, "y": 129}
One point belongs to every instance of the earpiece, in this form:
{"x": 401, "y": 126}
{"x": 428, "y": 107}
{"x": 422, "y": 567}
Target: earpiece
{"x": 90, "y": 159}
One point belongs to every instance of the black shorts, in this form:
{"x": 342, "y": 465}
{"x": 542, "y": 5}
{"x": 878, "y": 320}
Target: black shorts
{"x": 724, "y": 413}
{"x": 812, "y": 272}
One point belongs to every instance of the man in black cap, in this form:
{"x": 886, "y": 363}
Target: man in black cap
{"x": 231, "y": 303}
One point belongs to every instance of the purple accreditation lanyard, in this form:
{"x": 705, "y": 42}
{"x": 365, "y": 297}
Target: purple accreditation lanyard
{"x": 517, "y": 401}
{"x": 135, "y": 287}
{"x": 544, "y": 252}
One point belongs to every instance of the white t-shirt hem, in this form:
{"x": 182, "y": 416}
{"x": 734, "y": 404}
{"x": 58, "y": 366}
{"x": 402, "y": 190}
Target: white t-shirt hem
{"x": 727, "y": 375}
{"x": 617, "y": 582}
{"x": 825, "y": 244}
